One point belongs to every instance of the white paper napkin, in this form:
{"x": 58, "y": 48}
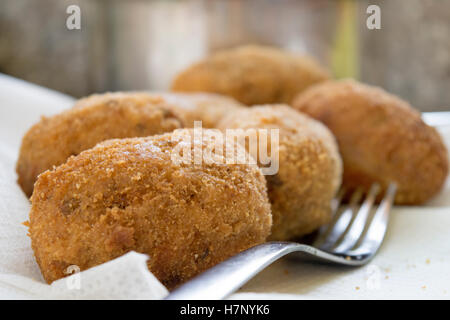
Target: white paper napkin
{"x": 22, "y": 104}
{"x": 414, "y": 261}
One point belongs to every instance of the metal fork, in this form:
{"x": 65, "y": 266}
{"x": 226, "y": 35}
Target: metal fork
{"x": 352, "y": 238}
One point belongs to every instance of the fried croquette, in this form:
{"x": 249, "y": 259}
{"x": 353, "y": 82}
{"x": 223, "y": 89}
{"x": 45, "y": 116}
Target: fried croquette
{"x": 381, "y": 139}
{"x": 97, "y": 118}
{"x": 209, "y": 108}
{"x": 252, "y": 75}
{"x": 129, "y": 194}
{"x": 309, "y": 168}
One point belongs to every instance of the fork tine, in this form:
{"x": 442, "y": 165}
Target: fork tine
{"x": 359, "y": 222}
{"x": 377, "y": 227}
{"x": 324, "y": 230}
{"x": 336, "y": 202}
{"x": 340, "y": 224}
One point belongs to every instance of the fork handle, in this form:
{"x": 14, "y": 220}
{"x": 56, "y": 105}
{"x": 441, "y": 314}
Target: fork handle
{"x": 228, "y": 276}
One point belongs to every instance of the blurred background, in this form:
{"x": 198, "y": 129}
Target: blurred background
{"x": 142, "y": 44}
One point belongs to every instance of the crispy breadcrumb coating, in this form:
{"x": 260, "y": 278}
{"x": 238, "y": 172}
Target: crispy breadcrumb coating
{"x": 128, "y": 194}
{"x": 381, "y": 139}
{"x": 94, "y": 119}
{"x": 252, "y": 75}
{"x": 309, "y": 168}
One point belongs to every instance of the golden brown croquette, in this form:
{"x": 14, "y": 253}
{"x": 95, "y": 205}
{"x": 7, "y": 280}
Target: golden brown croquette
{"x": 97, "y": 118}
{"x": 309, "y": 168}
{"x": 252, "y": 75}
{"x": 381, "y": 139}
{"x": 128, "y": 194}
